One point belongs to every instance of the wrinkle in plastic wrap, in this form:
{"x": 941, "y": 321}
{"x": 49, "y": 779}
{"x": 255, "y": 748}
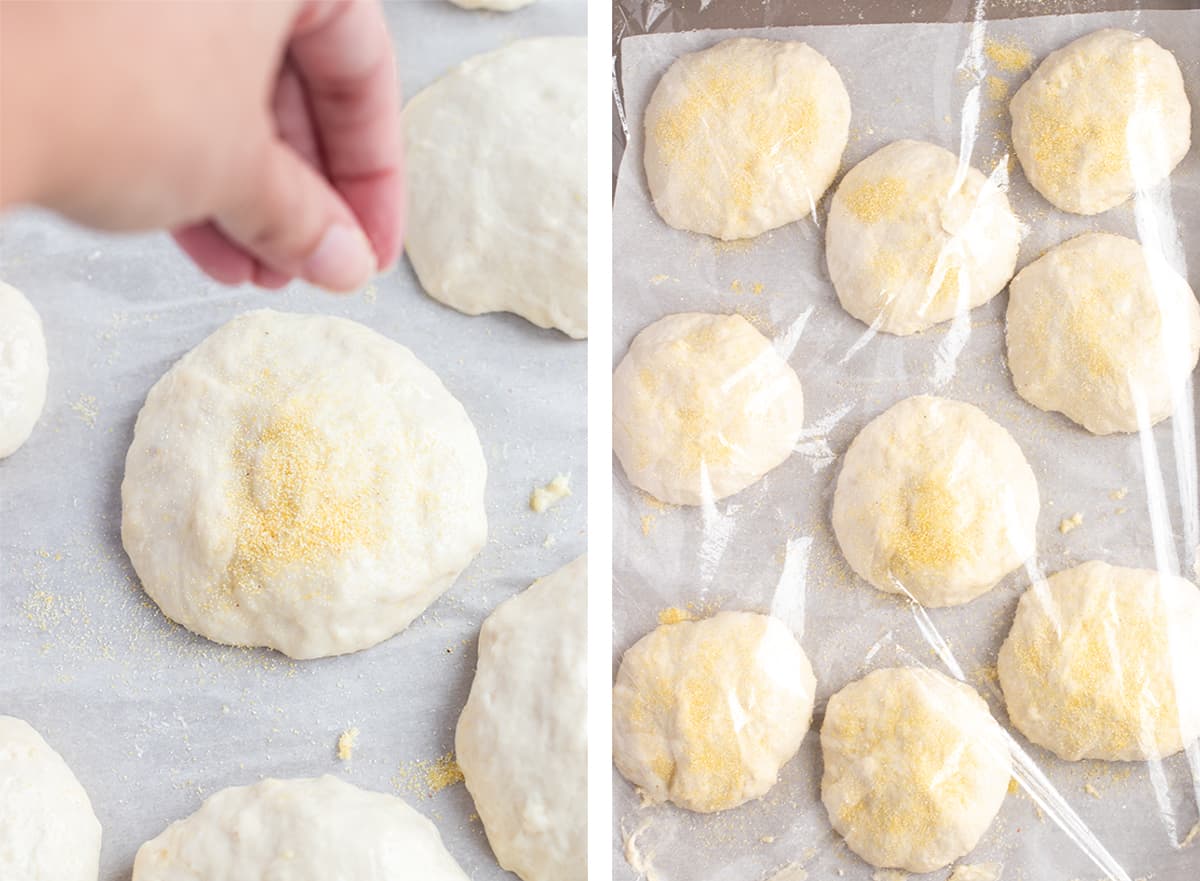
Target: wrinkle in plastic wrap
{"x": 771, "y": 547}
{"x": 153, "y": 719}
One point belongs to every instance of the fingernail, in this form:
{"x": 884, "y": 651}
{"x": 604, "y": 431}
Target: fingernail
{"x": 343, "y": 260}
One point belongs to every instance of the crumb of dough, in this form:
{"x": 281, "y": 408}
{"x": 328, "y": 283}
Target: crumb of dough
{"x": 790, "y": 872}
{"x": 767, "y": 839}
{"x": 1117, "y": 494}
{"x": 674, "y": 615}
{"x": 1069, "y": 523}
{"x": 549, "y": 542}
{"x": 1010, "y": 56}
{"x": 346, "y": 743}
{"x": 1091, "y": 790}
{"x": 544, "y": 497}
{"x": 975, "y": 872}
{"x": 659, "y": 279}
{"x": 1013, "y": 786}
{"x": 647, "y": 524}
{"x": 638, "y": 859}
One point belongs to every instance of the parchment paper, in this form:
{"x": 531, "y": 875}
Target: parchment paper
{"x": 770, "y": 548}
{"x": 151, "y": 718}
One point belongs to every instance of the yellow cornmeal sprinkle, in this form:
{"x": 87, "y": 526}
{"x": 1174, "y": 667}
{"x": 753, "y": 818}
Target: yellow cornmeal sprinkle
{"x": 1009, "y": 56}
{"x": 674, "y": 615}
{"x": 875, "y": 200}
{"x": 1092, "y": 323}
{"x": 997, "y": 89}
{"x": 948, "y": 290}
{"x": 428, "y": 777}
{"x": 932, "y": 535}
{"x": 346, "y": 743}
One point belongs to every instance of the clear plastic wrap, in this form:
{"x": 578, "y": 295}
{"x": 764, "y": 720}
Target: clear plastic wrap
{"x": 1127, "y": 499}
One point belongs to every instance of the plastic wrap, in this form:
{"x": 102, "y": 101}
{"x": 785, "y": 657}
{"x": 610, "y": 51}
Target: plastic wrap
{"x": 1128, "y": 499}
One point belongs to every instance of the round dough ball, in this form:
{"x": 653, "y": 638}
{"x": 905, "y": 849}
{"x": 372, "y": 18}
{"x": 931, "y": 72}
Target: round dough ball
{"x": 744, "y": 136}
{"x": 493, "y": 5}
{"x": 916, "y": 768}
{"x": 1101, "y": 663}
{"x": 301, "y": 830}
{"x": 703, "y": 406}
{"x": 301, "y": 482}
{"x": 497, "y": 184}
{"x": 48, "y": 831}
{"x": 23, "y": 369}
{"x": 912, "y": 240}
{"x": 935, "y": 501}
{"x": 1100, "y": 118}
{"x": 705, "y": 713}
{"x": 522, "y": 737}
{"x": 1093, "y": 328}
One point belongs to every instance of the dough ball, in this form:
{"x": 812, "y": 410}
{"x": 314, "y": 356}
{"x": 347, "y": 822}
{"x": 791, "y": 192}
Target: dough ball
{"x": 1094, "y": 328}
{"x": 23, "y": 369}
{"x": 916, "y": 768}
{"x": 497, "y": 184}
{"x": 935, "y": 500}
{"x": 48, "y": 831}
{"x": 703, "y": 406}
{"x": 705, "y": 713}
{"x": 301, "y": 482}
{"x": 1102, "y": 663}
{"x": 299, "y": 830}
{"x": 1099, "y": 119}
{"x": 744, "y": 136}
{"x": 493, "y": 5}
{"x": 522, "y": 737}
{"x": 913, "y": 240}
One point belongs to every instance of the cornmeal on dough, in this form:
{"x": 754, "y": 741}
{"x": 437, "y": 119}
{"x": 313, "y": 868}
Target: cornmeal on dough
{"x": 916, "y": 768}
{"x": 300, "y": 830}
{"x": 48, "y": 831}
{"x": 23, "y": 369}
{"x": 744, "y": 136}
{"x": 1101, "y": 118}
{"x": 1103, "y": 662}
{"x": 705, "y": 713}
{"x": 936, "y": 501}
{"x": 301, "y": 482}
{"x": 703, "y": 407}
{"x": 914, "y": 238}
{"x": 1098, "y": 329}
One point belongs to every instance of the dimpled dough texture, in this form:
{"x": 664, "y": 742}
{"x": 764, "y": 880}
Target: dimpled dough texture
{"x": 936, "y": 500}
{"x": 23, "y": 369}
{"x": 916, "y": 768}
{"x": 48, "y": 831}
{"x": 705, "y": 713}
{"x": 522, "y": 737}
{"x": 298, "y": 830}
{"x": 744, "y": 137}
{"x": 497, "y": 184}
{"x": 1100, "y": 118}
{"x": 909, "y": 244}
{"x": 703, "y": 407}
{"x": 1093, "y": 329}
{"x": 301, "y": 482}
{"x": 1102, "y": 662}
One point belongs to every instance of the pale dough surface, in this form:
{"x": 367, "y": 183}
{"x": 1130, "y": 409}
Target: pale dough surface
{"x": 522, "y": 736}
{"x": 913, "y": 238}
{"x": 1103, "y": 662}
{"x": 706, "y": 713}
{"x": 497, "y": 184}
{"x": 1094, "y": 327}
{"x": 48, "y": 831}
{"x": 703, "y": 407}
{"x": 301, "y": 482}
{"x": 744, "y": 136}
{"x": 916, "y": 768}
{"x": 298, "y": 830}
{"x": 935, "y": 500}
{"x": 1100, "y": 118}
{"x": 23, "y": 369}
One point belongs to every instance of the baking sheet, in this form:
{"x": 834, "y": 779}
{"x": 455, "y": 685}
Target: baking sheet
{"x": 771, "y": 546}
{"x": 151, "y": 718}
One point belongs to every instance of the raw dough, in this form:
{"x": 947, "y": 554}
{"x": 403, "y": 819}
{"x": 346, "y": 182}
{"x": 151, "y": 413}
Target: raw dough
{"x": 1093, "y": 326}
{"x": 48, "y": 831}
{"x": 916, "y": 768}
{"x": 23, "y": 369}
{"x": 744, "y": 136}
{"x": 497, "y": 184}
{"x": 1101, "y": 118}
{"x": 705, "y": 713}
{"x": 935, "y": 500}
{"x": 301, "y": 482}
{"x": 1102, "y": 663}
{"x": 913, "y": 238}
{"x": 493, "y": 5}
{"x": 522, "y": 737}
{"x": 703, "y": 407}
{"x": 298, "y": 830}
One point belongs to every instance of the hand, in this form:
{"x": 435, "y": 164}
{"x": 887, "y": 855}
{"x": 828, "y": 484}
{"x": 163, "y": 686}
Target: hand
{"x": 266, "y": 134}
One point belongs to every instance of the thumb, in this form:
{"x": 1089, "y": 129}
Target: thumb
{"x": 286, "y": 214}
